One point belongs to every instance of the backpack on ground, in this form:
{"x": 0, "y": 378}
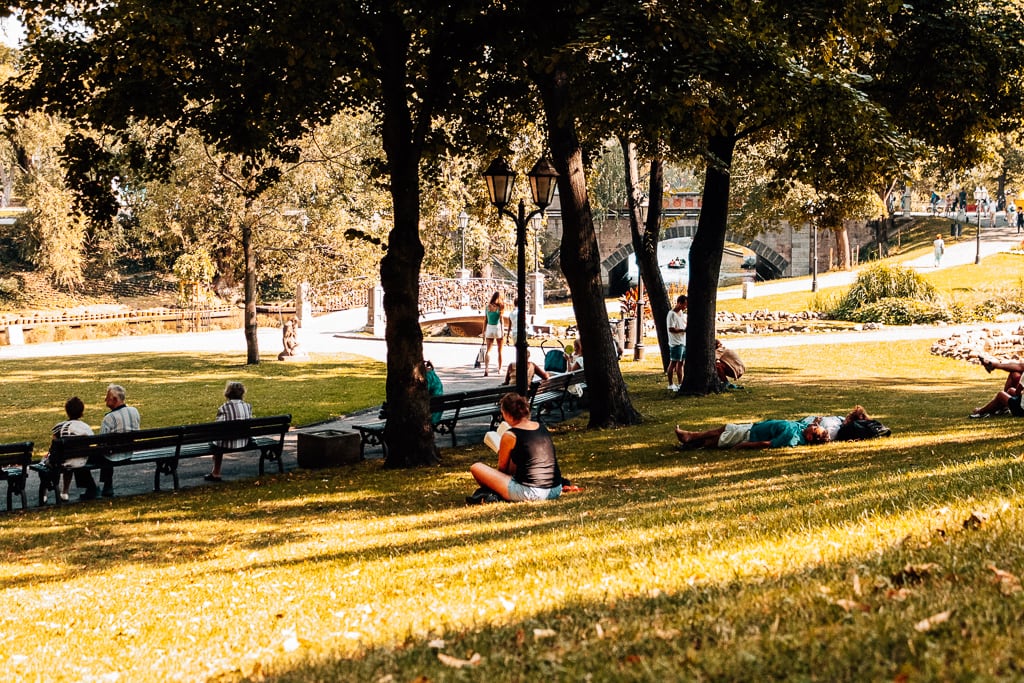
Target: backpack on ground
{"x": 858, "y": 430}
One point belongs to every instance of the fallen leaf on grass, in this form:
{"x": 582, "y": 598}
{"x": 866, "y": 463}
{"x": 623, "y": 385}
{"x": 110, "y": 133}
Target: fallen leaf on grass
{"x": 457, "y": 663}
{"x": 851, "y": 605}
{"x": 931, "y": 622}
{"x": 437, "y": 644}
{"x": 975, "y": 520}
{"x": 544, "y": 633}
{"x": 897, "y": 594}
{"x": 1008, "y": 583}
{"x": 670, "y": 634}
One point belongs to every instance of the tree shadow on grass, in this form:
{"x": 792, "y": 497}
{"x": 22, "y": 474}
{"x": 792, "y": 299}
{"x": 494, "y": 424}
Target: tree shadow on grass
{"x": 863, "y": 616}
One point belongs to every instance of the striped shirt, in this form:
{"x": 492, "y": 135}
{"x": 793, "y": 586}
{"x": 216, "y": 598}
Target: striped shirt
{"x": 124, "y": 418}
{"x": 71, "y": 428}
{"x": 233, "y": 409}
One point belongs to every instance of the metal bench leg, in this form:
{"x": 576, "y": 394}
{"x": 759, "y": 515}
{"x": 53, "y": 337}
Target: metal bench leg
{"x": 16, "y": 487}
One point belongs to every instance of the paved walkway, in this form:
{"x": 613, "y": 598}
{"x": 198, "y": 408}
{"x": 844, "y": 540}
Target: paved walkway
{"x": 339, "y": 332}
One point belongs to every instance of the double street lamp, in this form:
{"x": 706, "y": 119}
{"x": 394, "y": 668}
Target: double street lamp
{"x": 500, "y": 178}
{"x": 980, "y": 196}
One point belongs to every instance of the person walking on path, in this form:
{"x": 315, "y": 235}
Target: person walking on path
{"x": 494, "y": 329}
{"x": 1020, "y": 221}
{"x": 676, "y": 342}
{"x": 940, "y": 249}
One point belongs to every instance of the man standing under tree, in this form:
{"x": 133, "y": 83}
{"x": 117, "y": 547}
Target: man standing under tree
{"x": 676, "y": 342}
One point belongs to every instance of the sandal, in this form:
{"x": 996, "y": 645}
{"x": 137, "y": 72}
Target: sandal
{"x": 988, "y": 364}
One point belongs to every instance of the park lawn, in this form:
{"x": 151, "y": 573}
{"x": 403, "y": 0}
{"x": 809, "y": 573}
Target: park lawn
{"x": 842, "y": 562}
{"x": 180, "y": 388}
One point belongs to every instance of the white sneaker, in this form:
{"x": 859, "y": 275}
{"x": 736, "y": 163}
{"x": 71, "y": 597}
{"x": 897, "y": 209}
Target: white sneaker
{"x": 673, "y": 387}
{"x": 64, "y": 496}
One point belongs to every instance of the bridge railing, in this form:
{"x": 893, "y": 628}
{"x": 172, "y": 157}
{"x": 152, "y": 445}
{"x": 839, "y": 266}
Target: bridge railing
{"x": 447, "y": 294}
{"x": 437, "y": 295}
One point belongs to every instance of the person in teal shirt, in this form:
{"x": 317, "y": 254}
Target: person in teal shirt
{"x": 494, "y": 329}
{"x": 434, "y": 386}
{"x": 764, "y": 434}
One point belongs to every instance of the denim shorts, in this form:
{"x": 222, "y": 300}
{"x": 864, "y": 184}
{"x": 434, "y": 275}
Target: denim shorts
{"x": 677, "y": 353}
{"x": 519, "y": 493}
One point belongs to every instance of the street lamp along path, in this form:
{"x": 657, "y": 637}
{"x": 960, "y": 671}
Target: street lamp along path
{"x": 500, "y": 179}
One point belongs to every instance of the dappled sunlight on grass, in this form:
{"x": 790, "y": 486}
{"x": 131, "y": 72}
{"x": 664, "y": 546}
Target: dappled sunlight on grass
{"x": 697, "y": 565}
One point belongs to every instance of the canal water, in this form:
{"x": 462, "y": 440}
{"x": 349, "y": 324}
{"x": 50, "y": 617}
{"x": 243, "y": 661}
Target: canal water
{"x": 674, "y": 262}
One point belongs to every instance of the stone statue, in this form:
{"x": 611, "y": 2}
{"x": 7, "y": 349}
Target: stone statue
{"x": 290, "y": 338}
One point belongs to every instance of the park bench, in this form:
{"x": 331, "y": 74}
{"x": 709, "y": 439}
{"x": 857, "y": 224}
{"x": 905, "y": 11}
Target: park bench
{"x": 553, "y": 393}
{"x": 15, "y": 459}
{"x": 544, "y": 396}
{"x": 451, "y": 409}
{"x": 164, "y": 447}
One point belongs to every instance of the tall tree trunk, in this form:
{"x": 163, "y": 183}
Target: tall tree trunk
{"x": 409, "y": 433}
{"x": 581, "y": 259}
{"x": 843, "y": 246}
{"x": 252, "y": 343}
{"x": 699, "y": 377}
{"x": 645, "y": 243}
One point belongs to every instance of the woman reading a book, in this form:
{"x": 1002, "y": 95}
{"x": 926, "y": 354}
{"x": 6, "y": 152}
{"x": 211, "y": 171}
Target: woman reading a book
{"x": 527, "y": 466}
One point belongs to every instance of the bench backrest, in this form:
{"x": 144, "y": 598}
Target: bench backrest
{"x": 16, "y": 454}
{"x": 558, "y": 382}
{"x": 117, "y": 443}
{"x": 231, "y": 430}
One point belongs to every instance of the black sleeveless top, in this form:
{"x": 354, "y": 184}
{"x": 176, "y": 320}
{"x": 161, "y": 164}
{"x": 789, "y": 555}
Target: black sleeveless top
{"x": 534, "y": 458}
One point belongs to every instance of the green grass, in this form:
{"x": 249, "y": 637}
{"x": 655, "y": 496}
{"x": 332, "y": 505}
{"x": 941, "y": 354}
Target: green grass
{"x": 180, "y": 388}
{"x": 813, "y": 563}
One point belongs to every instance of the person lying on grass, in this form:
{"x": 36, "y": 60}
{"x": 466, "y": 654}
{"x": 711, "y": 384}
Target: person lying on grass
{"x": 1009, "y": 398}
{"x": 765, "y": 434}
{"x": 527, "y": 466}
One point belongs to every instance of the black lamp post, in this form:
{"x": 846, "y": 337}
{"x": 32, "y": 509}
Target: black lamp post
{"x": 500, "y": 179}
{"x": 535, "y": 222}
{"x": 980, "y": 195}
{"x": 814, "y": 256}
{"x": 638, "y": 346}
{"x": 463, "y": 224}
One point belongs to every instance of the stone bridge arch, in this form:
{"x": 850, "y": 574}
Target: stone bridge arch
{"x": 770, "y": 264}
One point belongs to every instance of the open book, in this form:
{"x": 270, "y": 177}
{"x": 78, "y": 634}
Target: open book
{"x": 493, "y": 439}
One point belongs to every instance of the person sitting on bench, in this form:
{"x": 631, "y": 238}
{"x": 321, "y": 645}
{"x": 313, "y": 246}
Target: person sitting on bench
{"x": 73, "y": 426}
{"x": 531, "y": 370}
{"x": 121, "y": 418}
{"x": 232, "y": 409}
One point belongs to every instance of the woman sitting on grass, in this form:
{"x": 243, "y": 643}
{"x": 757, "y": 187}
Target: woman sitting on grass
{"x": 527, "y": 466}
{"x": 765, "y": 434}
{"x": 1009, "y": 399}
